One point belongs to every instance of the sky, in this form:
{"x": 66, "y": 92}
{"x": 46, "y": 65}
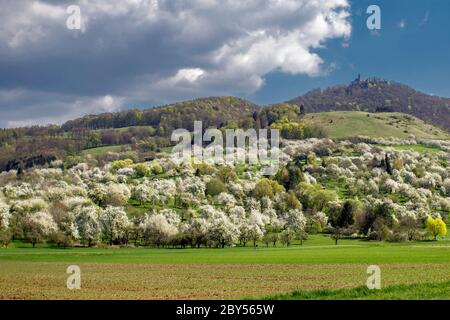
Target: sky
{"x": 141, "y": 53}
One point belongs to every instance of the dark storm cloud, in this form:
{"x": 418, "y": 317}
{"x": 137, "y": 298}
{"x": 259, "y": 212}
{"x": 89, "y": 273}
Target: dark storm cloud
{"x": 152, "y": 50}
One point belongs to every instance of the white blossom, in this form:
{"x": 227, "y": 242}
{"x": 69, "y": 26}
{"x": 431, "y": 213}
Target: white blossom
{"x": 5, "y": 215}
{"x": 113, "y": 221}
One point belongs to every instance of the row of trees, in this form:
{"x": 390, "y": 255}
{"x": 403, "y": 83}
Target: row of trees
{"x": 91, "y": 225}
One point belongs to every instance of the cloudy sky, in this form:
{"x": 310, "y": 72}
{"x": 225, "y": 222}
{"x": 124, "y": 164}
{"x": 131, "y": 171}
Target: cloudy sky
{"x": 141, "y": 53}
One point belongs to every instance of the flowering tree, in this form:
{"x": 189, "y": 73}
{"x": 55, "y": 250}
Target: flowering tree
{"x": 287, "y": 236}
{"x": 321, "y": 218}
{"x": 295, "y": 220}
{"x": 66, "y": 232}
{"x": 222, "y": 231}
{"x": 158, "y": 230}
{"x": 117, "y": 195}
{"x": 4, "y": 215}
{"x": 215, "y": 205}
{"x": 244, "y": 234}
{"x": 142, "y": 193}
{"x": 88, "y": 225}
{"x": 255, "y": 233}
{"x": 197, "y": 232}
{"x": 113, "y": 222}
{"x": 38, "y": 226}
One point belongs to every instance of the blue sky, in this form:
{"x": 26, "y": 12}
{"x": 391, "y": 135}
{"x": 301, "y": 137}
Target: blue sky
{"x": 143, "y": 53}
{"x": 417, "y": 54}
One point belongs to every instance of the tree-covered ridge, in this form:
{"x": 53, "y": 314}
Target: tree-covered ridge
{"x": 215, "y": 111}
{"x": 376, "y": 95}
{"x": 149, "y": 130}
{"x": 142, "y": 130}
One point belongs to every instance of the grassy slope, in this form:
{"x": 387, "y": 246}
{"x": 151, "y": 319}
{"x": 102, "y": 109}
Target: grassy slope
{"x": 102, "y": 150}
{"x": 342, "y": 124}
{"x": 433, "y": 290}
{"x": 418, "y": 148}
{"x": 349, "y": 124}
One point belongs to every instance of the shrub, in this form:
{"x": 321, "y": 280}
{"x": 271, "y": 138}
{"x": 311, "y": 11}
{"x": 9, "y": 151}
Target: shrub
{"x": 5, "y": 238}
{"x": 120, "y": 164}
{"x": 397, "y": 236}
{"x": 226, "y": 175}
{"x": 142, "y": 170}
{"x": 156, "y": 168}
{"x": 215, "y": 187}
{"x": 287, "y": 236}
{"x": 266, "y": 188}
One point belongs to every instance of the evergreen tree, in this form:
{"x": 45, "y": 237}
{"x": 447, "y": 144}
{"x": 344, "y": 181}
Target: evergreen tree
{"x": 388, "y": 164}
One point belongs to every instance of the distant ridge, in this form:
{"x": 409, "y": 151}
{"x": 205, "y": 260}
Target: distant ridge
{"x": 213, "y": 111}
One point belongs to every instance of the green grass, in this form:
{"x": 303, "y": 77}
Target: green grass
{"x": 319, "y": 249}
{"x": 416, "y": 269}
{"x": 231, "y": 273}
{"x": 103, "y": 150}
{"x": 166, "y": 150}
{"x": 434, "y": 290}
{"x": 342, "y": 124}
{"x": 420, "y": 148}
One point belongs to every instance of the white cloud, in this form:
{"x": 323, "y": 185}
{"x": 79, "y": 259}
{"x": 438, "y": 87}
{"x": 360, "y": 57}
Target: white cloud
{"x": 185, "y": 75}
{"x": 402, "y": 24}
{"x": 25, "y": 22}
{"x": 39, "y": 9}
{"x": 258, "y": 37}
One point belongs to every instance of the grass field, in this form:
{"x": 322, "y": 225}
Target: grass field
{"x": 232, "y": 273}
{"x": 420, "y": 148}
{"x": 342, "y": 124}
{"x": 103, "y": 150}
{"x": 437, "y": 290}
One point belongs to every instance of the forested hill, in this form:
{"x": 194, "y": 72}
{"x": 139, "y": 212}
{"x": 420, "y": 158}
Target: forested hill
{"x": 376, "y": 95}
{"x": 144, "y": 131}
{"x": 149, "y": 130}
{"x": 371, "y": 95}
{"x": 214, "y": 112}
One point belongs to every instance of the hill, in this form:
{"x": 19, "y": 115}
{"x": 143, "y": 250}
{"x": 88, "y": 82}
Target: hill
{"x": 376, "y": 95}
{"x": 147, "y": 131}
{"x": 213, "y": 111}
{"x": 341, "y": 124}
